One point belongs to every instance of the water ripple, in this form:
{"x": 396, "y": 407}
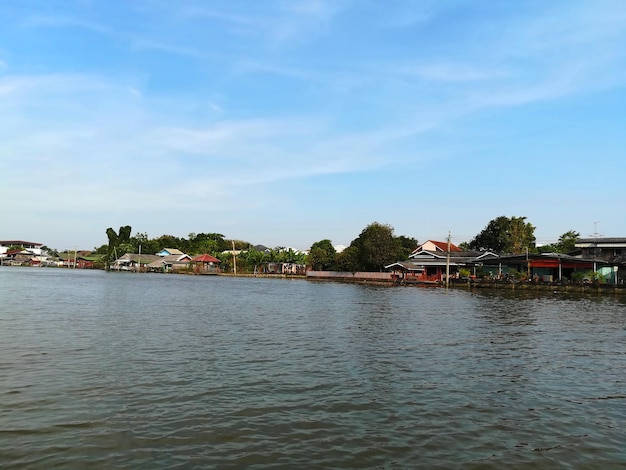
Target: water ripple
{"x": 187, "y": 372}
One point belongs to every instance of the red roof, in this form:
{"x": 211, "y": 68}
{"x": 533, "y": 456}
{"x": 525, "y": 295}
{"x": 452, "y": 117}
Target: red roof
{"x": 443, "y": 246}
{"x": 205, "y": 259}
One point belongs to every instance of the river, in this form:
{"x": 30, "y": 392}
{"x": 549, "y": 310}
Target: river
{"x": 120, "y": 370}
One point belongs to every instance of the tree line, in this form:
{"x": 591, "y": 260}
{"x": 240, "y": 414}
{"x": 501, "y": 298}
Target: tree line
{"x": 215, "y": 244}
{"x": 376, "y": 246}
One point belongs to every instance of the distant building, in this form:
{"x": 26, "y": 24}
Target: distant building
{"x": 433, "y": 246}
{"x": 170, "y": 252}
{"x": 612, "y": 250}
{"x": 31, "y": 247}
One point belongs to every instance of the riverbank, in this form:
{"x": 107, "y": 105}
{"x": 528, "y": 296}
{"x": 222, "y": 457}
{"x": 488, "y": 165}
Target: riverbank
{"x": 387, "y": 279}
{"x": 548, "y": 287}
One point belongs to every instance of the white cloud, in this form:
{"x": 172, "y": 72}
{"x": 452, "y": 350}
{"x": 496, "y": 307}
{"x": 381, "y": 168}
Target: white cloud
{"x": 68, "y": 22}
{"x": 259, "y": 104}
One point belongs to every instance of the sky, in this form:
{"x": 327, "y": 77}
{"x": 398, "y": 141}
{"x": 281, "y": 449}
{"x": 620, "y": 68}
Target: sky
{"x": 287, "y": 122}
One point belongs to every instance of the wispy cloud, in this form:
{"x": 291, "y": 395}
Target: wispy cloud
{"x": 252, "y": 98}
{"x": 449, "y": 72}
{"x": 68, "y": 22}
{"x": 144, "y": 43}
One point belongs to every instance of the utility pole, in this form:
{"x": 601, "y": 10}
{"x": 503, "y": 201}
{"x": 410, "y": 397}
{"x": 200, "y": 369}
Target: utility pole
{"x": 234, "y": 259}
{"x": 448, "y": 263}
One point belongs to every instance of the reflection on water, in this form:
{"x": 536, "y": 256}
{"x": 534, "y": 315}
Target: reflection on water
{"x": 162, "y": 371}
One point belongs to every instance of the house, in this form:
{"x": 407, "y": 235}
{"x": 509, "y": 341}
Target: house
{"x": 31, "y": 247}
{"x": 169, "y": 252}
{"x": 424, "y": 266}
{"x": 169, "y": 263}
{"x": 435, "y": 247}
{"x": 17, "y": 257}
{"x": 77, "y": 260}
{"x": 133, "y": 262}
{"x": 608, "y": 249}
{"x": 549, "y": 267}
{"x": 293, "y": 269}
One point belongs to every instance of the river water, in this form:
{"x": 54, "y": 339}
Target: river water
{"x": 120, "y": 370}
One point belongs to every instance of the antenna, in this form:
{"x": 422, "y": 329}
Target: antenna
{"x": 595, "y": 233}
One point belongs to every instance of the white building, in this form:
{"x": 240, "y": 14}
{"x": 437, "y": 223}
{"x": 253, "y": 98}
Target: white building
{"x": 34, "y": 248}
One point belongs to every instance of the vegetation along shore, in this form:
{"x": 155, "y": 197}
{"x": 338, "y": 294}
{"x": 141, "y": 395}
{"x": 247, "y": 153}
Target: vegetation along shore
{"x": 503, "y": 255}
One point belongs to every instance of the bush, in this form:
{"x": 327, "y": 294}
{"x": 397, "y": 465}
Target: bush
{"x": 464, "y": 273}
{"x": 587, "y": 276}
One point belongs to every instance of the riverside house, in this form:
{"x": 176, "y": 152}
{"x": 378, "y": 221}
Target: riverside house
{"x": 20, "y": 246}
{"x": 612, "y": 250}
{"x": 169, "y": 263}
{"x": 430, "y": 261}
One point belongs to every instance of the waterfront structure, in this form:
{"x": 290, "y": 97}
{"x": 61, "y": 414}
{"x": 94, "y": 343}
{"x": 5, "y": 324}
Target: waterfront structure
{"x": 77, "y": 260}
{"x": 292, "y": 269}
{"x": 435, "y": 261}
{"x": 133, "y": 262}
{"x": 170, "y": 252}
{"x": 549, "y": 267}
{"x": 433, "y": 246}
{"x": 426, "y": 266}
{"x": 169, "y": 263}
{"x": 205, "y": 264}
{"x": 18, "y": 257}
{"x": 31, "y": 247}
{"x": 608, "y": 249}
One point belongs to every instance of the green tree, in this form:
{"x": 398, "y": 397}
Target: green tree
{"x": 505, "y": 235}
{"x": 207, "y": 243}
{"x": 376, "y": 247}
{"x": 348, "y": 260}
{"x": 521, "y": 235}
{"x": 254, "y": 257}
{"x": 465, "y": 246}
{"x": 322, "y": 256}
{"x": 116, "y": 239}
{"x": 168, "y": 241}
{"x": 566, "y": 243}
{"x": 404, "y": 246}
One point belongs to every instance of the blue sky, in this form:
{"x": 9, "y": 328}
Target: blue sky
{"x": 286, "y": 122}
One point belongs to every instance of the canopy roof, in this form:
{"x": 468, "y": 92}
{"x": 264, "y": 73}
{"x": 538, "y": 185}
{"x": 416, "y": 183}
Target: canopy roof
{"x": 205, "y": 258}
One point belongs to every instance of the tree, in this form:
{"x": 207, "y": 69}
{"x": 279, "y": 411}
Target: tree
{"x": 521, "y": 235}
{"x": 376, "y": 247}
{"x": 348, "y": 260}
{"x": 322, "y": 256}
{"x": 505, "y": 235}
{"x": 492, "y": 237}
{"x": 404, "y": 246}
{"x": 254, "y": 257}
{"x": 566, "y": 243}
{"x": 465, "y": 246}
{"x": 115, "y": 240}
{"x": 141, "y": 240}
{"x": 168, "y": 241}
{"x": 207, "y": 243}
